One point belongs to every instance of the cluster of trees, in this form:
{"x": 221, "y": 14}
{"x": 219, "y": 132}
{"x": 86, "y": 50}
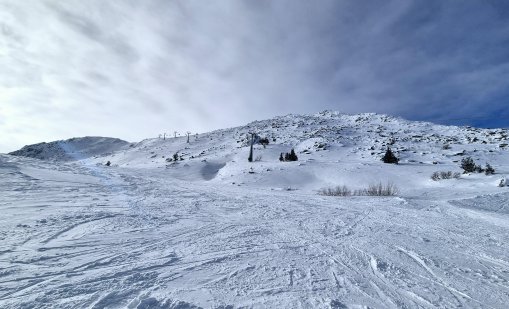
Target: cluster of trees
{"x": 468, "y": 165}
{"x": 288, "y": 156}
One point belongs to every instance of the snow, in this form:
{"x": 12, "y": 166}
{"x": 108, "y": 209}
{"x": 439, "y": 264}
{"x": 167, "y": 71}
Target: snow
{"x": 72, "y": 149}
{"x": 206, "y": 232}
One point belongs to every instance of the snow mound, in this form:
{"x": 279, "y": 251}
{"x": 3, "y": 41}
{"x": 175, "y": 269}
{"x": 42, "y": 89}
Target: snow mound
{"x": 195, "y": 171}
{"x": 489, "y": 202}
{"x": 72, "y": 149}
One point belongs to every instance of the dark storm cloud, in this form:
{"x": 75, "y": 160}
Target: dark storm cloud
{"x": 97, "y": 67}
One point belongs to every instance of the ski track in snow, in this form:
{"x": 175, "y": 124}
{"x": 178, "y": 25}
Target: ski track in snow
{"x": 149, "y": 241}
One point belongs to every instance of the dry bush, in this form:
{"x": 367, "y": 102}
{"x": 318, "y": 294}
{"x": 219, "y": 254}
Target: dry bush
{"x": 446, "y": 175}
{"x": 379, "y": 189}
{"x": 489, "y": 170}
{"x": 336, "y": 191}
{"x": 436, "y": 176}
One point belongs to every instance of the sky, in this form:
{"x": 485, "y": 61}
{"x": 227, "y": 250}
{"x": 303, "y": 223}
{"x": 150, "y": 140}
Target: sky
{"x": 134, "y": 69}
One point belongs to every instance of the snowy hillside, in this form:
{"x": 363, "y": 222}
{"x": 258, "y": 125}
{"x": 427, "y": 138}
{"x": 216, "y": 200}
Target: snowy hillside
{"x": 212, "y": 230}
{"x": 333, "y": 149}
{"x": 72, "y": 149}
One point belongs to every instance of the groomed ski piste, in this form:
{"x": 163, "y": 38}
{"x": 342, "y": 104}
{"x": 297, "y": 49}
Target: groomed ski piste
{"x": 212, "y": 230}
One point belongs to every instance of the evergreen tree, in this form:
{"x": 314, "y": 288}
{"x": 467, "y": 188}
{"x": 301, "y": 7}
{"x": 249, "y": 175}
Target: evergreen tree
{"x": 389, "y": 157}
{"x": 479, "y": 169}
{"x": 489, "y": 170}
{"x": 468, "y": 165}
{"x": 293, "y": 156}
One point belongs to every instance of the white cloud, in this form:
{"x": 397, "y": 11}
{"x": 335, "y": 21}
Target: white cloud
{"x": 133, "y": 69}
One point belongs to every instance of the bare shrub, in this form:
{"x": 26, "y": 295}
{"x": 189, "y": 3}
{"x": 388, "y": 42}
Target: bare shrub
{"x": 446, "y": 175}
{"x": 336, "y": 191}
{"x": 436, "y": 176}
{"x": 379, "y": 189}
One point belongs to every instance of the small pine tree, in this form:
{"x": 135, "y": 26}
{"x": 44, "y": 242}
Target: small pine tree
{"x": 489, "y": 170}
{"x": 389, "y": 157}
{"x": 479, "y": 169}
{"x": 468, "y": 165}
{"x": 293, "y": 156}
{"x": 175, "y": 156}
{"x": 289, "y": 156}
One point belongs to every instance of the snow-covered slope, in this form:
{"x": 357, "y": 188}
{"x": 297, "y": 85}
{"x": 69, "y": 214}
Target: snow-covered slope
{"x": 215, "y": 231}
{"x": 72, "y": 149}
{"x": 333, "y": 149}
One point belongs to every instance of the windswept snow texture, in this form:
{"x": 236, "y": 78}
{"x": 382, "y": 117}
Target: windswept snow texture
{"x": 214, "y": 231}
{"x": 72, "y": 149}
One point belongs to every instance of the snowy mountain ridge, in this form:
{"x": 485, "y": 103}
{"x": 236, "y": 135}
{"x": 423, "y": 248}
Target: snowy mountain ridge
{"x": 73, "y": 149}
{"x": 361, "y": 130}
{"x": 325, "y": 128}
{"x": 324, "y": 142}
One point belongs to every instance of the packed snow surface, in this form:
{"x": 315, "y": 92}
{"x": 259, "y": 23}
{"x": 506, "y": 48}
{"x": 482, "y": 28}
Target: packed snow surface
{"x": 212, "y": 230}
